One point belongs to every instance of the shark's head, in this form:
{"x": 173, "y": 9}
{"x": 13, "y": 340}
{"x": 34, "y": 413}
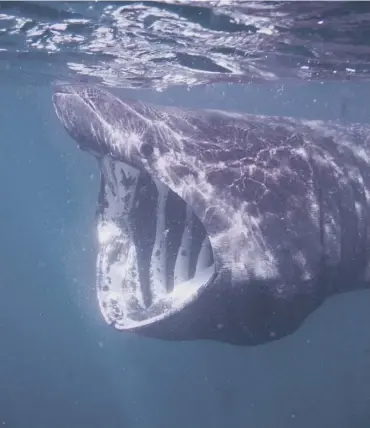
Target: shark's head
{"x": 197, "y": 214}
{"x": 155, "y": 219}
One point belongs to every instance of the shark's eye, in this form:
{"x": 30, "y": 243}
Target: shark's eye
{"x": 146, "y": 149}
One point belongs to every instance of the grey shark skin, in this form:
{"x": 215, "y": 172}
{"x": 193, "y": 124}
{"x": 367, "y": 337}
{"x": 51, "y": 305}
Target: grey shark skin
{"x": 217, "y": 225}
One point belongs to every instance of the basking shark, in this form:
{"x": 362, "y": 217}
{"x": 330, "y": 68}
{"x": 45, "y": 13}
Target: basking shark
{"x": 218, "y": 225}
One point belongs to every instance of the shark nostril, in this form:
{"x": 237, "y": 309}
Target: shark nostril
{"x": 146, "y": 149}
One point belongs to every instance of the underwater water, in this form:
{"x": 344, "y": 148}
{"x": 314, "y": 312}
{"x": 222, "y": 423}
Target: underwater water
{"x": 60, "y": 364}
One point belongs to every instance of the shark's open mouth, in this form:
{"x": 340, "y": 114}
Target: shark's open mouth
{"x": 154, "y": 254}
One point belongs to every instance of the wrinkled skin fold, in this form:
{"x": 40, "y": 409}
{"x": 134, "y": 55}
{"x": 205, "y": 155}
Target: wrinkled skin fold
{"x": 218, "y": 225}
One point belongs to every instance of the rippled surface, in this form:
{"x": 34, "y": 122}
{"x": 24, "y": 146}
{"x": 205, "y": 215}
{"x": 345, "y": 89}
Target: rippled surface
{"x": 159, "y": 44}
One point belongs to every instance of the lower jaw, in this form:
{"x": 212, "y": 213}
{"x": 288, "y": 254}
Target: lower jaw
{"x": 158, "y": 259}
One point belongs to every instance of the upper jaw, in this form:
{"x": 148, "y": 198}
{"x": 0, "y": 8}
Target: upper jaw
{"x": 82, "y": 119}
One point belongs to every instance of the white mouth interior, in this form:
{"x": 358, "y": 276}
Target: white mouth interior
{"x": 139, "y": 280}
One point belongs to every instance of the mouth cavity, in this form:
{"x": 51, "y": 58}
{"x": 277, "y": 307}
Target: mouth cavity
{"x": 154, "y": 255}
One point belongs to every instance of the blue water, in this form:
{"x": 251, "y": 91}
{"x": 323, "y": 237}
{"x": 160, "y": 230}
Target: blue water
{"x": 61, "y": 366}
